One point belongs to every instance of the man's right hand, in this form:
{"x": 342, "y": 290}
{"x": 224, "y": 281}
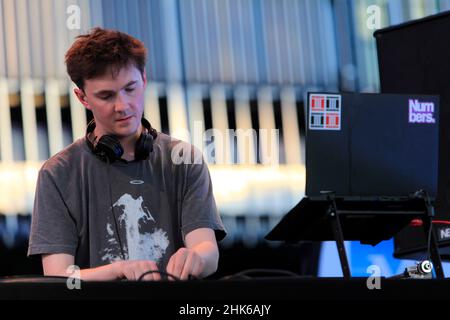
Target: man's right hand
{"x": 58, "y": 264}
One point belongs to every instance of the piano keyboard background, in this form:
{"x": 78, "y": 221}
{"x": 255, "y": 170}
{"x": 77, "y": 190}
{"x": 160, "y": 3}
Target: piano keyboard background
{"x": 213, "y": 64}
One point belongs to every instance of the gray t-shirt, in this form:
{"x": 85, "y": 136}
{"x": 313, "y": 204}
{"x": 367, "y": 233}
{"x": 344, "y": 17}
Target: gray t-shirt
{"x": 100, "y": 212}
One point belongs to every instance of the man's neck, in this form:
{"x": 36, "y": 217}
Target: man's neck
{"x": 129, "y": 145}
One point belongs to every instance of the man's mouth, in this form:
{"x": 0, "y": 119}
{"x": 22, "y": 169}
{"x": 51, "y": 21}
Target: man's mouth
{"x": 124, "y": 119}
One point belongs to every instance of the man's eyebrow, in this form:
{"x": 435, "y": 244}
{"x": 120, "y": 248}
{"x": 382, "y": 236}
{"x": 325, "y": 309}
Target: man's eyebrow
{"x": 130, "y": 83}
{"x": 106, "y": 91}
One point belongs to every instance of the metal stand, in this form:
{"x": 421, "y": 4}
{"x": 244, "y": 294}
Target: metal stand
{"x": 333, "y": 216}
{"x": 338, "y": 235}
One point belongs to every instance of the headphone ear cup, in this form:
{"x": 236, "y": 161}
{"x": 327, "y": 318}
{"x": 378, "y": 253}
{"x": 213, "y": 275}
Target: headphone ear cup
{"x": 108, "y": 147}
{"x": 144, "y": 146}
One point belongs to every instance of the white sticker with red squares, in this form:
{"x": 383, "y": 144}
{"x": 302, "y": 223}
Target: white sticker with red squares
{"x": 325, "y": 112}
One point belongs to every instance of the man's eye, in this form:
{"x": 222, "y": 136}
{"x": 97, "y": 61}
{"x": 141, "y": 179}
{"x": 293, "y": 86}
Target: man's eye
{"x": 105, "y": 97}
{"x": 129, "y": 89}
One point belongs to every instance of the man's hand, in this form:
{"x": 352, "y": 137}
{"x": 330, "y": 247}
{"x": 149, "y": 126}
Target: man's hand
{"x": 199, "y": 258}
{"x": 185, "y": 262}
{"x": 134, "y": 269}
{"x": 57, "y": 264}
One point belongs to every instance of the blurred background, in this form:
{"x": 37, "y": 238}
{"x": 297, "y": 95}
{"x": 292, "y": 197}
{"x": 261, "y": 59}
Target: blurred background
{"x": 222, "y": 64}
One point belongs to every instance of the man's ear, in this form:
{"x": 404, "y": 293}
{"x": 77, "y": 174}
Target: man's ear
{"x": 82, "y": 97}
{"x": 144, "y": 79}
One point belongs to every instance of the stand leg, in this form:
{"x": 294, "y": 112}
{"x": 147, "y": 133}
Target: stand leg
{"x": 434, "y": 251}
{"x": 338, "y": 236}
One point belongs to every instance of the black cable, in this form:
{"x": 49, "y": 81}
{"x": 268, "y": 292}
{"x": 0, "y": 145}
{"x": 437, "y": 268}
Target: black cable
{"x": 430, "y": 215}
{"x": 116, "y": 226}
{"x": 430, "y": 230}
{"x": 245, "y": 274}
{"x": 166, "y": 274}
{"x": 430, "y": 212}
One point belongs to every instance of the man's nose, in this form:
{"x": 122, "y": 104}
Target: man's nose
{"x": 121, "y": 102}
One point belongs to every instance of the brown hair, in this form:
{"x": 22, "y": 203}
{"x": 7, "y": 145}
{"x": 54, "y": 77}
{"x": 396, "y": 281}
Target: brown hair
{"x": 101, "y": 50}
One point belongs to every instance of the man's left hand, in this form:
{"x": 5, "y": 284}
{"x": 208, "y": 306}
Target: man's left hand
{"x": 185, "y": 262}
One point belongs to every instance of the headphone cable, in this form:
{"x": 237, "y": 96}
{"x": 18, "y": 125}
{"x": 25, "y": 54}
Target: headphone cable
{"x": 116, "y": 225}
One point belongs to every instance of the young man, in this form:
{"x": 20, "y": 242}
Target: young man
{"x": 115, "y": 203}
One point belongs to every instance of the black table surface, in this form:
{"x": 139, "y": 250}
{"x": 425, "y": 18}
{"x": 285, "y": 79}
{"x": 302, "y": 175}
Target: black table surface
{"x": 247, "y": 290}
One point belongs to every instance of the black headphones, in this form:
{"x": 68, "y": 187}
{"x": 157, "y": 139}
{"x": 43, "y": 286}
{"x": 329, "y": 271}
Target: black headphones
{"x": 109, "y": 148}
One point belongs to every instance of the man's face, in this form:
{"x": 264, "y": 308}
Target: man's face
{"x": 116, "y": 103}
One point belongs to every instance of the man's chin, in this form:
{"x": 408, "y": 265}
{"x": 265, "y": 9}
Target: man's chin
{"x": 121, "y": 133}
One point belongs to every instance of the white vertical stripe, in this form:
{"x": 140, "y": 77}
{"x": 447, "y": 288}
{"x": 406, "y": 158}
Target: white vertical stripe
{"x": 54, "y": 121}
{"x": 268, "y": 148}
{"x": 69, "y": 34}
{"x": 300, "y": 62}
{"x": 196, "y": 118}
{"x": 48, "y": 44}
{"x": 311, "y": 45}
{"x": 430, "y": 7}
{"x": 151, "y": 39}
{"x": 219, "y": 42}
{"x": 244, "y": 131}
{"x": 5, "y": 123}
{"x": 207, "y": 43}
{"x": 250, "y": 236}
{"x": 266, "y": 43}
{"x": 318, "y": 14}
{"x": 276, "y": 44}
{"x": 96, "y": 13}
{"x": 176, "y": 109}
{"x": 12, "y": 63}
{"x": 23, "y": 38}
{"x": 27, "y": 94}
{"x": 219, "y": 118}
{"x": 172, "y": 43}
{"x": 243, "y": 74}
{"x": 416, "y": 9}
{"x": 291, "y": 133}
{"x": 2, "y": 42}
{"x": 12, "y": 226}
{"x": 195, "y": 42}
{"x": 230, "y": 223}
{"x": 444, "y": 5}
{"x": 60, "y": 32}
{"x": 288, "y": 34}
{"x": 151, "y": 110}
{"x": 395, "y": 12}
{"x": 330, "y": 48}
{"x": 77, "y": 115}
{"x": 187, "y": 42}
{"x": 37, "y": 59}
{"x": 254, "y": 61}
{"x": 231, "y": 51}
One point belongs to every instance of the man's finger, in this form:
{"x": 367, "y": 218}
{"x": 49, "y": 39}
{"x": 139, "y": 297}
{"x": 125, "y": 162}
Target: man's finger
{"x": 148, "y": 277}
{"x": 187, "y": 268}
{"x": 152, "y": 266}
{"x": 156, "y": 275}
{"x": 169, "y": 268}
{"x": 179, "y": 260}
{"x": 197, "y": 268}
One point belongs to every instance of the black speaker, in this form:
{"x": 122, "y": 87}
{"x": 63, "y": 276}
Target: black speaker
{"x": 414, "y": 58}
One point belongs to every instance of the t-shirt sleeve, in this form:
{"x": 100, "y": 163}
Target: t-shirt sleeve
{"x": 53, "y": 230}
{"x": 199, "y": 206}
